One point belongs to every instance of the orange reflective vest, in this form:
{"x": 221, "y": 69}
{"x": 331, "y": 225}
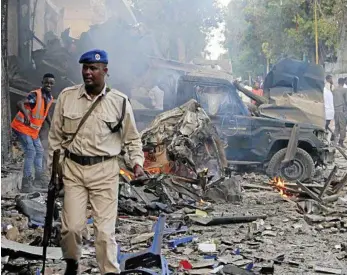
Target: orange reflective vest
{"x": 37, "y": 117}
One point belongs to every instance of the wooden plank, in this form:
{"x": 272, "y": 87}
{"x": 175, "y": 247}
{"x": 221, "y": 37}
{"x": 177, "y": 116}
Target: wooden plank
{"x": 331, "y": 198}
{"x": 340, "y": 185}
{"x": 309, "y": 192}
{"x": 256, "y": 186}
{"x": 294, "y": 185}
{"x": 341, "y": 151}
{"x": 292, "y": 146}
{"x": 328, "y": 182}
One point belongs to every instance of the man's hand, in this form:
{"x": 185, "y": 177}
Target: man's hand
{"x": 26, "y": 118}
{"x": 24, "y": 111}
{"x": 138, "y": 171}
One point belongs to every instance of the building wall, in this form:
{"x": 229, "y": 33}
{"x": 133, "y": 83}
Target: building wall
{"x": 12, "y": 28}
{"x": 48, "y": 18}
{"x": 79, "y": 15}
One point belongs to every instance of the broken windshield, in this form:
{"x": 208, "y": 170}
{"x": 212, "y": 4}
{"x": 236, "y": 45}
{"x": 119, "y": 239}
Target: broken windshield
{"x": 217, "y": 100}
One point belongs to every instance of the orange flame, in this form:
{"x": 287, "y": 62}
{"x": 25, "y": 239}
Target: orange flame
{"x": 279, "y": 184}
{"x": 125, "y": 173}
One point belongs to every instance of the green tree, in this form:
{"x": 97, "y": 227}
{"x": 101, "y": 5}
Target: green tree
{"x": 179, "y": 26}
{"x": 258, "y": 31}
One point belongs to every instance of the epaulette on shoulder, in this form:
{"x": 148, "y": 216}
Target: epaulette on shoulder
{"x": 118, "y": 93}
{"x": 76, "y": 87}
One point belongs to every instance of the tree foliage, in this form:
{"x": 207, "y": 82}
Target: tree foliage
{"x": 180, "y": 26}
{"x": 261, "y": 30}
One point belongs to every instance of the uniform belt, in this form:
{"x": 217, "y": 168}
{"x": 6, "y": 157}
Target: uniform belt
{"x": 86, "y": 160}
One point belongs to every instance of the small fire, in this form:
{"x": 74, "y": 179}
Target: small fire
{"x": 279, "y": 184}
{"x": 125, "y": 173}
{"x": 154, "y": 170}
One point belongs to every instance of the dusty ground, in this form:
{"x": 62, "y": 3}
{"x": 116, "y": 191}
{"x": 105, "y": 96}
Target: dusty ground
{"x": 284, "y": 234}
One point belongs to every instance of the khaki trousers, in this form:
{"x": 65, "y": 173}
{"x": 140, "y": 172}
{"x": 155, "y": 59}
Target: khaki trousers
{"x": 98, "y": 184}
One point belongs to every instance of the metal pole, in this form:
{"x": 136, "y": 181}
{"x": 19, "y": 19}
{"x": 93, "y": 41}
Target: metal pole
{"x": 316, "y": 30}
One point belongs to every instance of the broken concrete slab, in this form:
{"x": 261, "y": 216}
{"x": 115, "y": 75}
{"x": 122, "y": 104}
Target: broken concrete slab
{"x": 202, "y": 264}
{"x": 225, "y": 220}
{"x": 327, "y": 270}
{"x": 53, "y": 253}
{"x": 229, "y": 259}
{"x": 12, "y": 182}
{"x": 142, "y": 238}
{"x": 229, "y": 190}
{"x": 234, "y": 270}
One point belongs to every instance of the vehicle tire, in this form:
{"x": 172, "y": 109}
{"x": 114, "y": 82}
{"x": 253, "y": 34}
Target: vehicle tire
{"x": 303, "y": 167}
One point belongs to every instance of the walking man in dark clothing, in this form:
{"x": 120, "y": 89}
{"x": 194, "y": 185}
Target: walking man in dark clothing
{"x": 340, "y": 106}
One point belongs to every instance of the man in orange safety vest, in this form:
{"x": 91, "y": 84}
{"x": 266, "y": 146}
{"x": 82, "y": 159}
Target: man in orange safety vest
{"x": 32, "y": 113}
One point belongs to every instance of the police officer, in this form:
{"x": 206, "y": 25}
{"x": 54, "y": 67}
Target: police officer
{"x": 90, "y": 168}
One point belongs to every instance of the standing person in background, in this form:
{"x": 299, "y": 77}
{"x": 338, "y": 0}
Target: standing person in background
{"x": 156, "y": 94}
{"x": 328, "y": 101}
{"x": 256, "y": 90}
{"x": 33, "y": 112}
{"x": 340, "y": 104}
{"x": 245, "y": 98}
{"x": 345, "y": 84}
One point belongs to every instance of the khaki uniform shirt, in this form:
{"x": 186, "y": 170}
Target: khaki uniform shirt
{"x": 95, "y": 137}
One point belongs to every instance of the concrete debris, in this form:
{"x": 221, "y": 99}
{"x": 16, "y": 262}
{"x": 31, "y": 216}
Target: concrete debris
{"x": 12, "y": 234}
{"x": 217, "y": 222}
{"x": 52, "y": 252}
{"x": 327, "y": 270}
{"x": 207, "y": 247}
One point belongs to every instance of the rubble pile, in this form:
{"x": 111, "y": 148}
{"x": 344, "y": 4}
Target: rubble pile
{"x": 260, "y": 236}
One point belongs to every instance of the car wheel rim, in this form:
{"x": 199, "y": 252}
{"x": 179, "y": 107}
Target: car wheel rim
{"x": 293, "y": 172}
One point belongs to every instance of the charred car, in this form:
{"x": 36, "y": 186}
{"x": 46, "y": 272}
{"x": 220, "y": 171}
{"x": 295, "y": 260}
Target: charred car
{"x": 283, "y": 134}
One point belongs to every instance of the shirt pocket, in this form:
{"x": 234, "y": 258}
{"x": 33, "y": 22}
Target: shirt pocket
{"x": 71, "y": 122}
{"x": 105, "y": 123}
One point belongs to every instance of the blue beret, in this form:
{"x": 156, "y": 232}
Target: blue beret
{"x": 94, "y": 56}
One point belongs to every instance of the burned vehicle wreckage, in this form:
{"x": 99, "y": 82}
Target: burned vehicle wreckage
{"x": 283, "y": 133}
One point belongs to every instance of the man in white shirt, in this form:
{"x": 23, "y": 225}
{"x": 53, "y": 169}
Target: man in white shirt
{"x": 245, "y": 98}
{"x": 345, "y": 85}
{"x": 328, "y": 101}
{"x": 157, "y": 98}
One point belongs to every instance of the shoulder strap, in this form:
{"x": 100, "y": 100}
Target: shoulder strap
{"x": 116, "y": 128}
{"x": 87, "y": 114}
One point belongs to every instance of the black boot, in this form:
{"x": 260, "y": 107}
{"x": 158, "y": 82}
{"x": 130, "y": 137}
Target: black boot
{"x": 27, "y": 185}
{"x": 71, "y": 267}
{"x": 41, "y": 182}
